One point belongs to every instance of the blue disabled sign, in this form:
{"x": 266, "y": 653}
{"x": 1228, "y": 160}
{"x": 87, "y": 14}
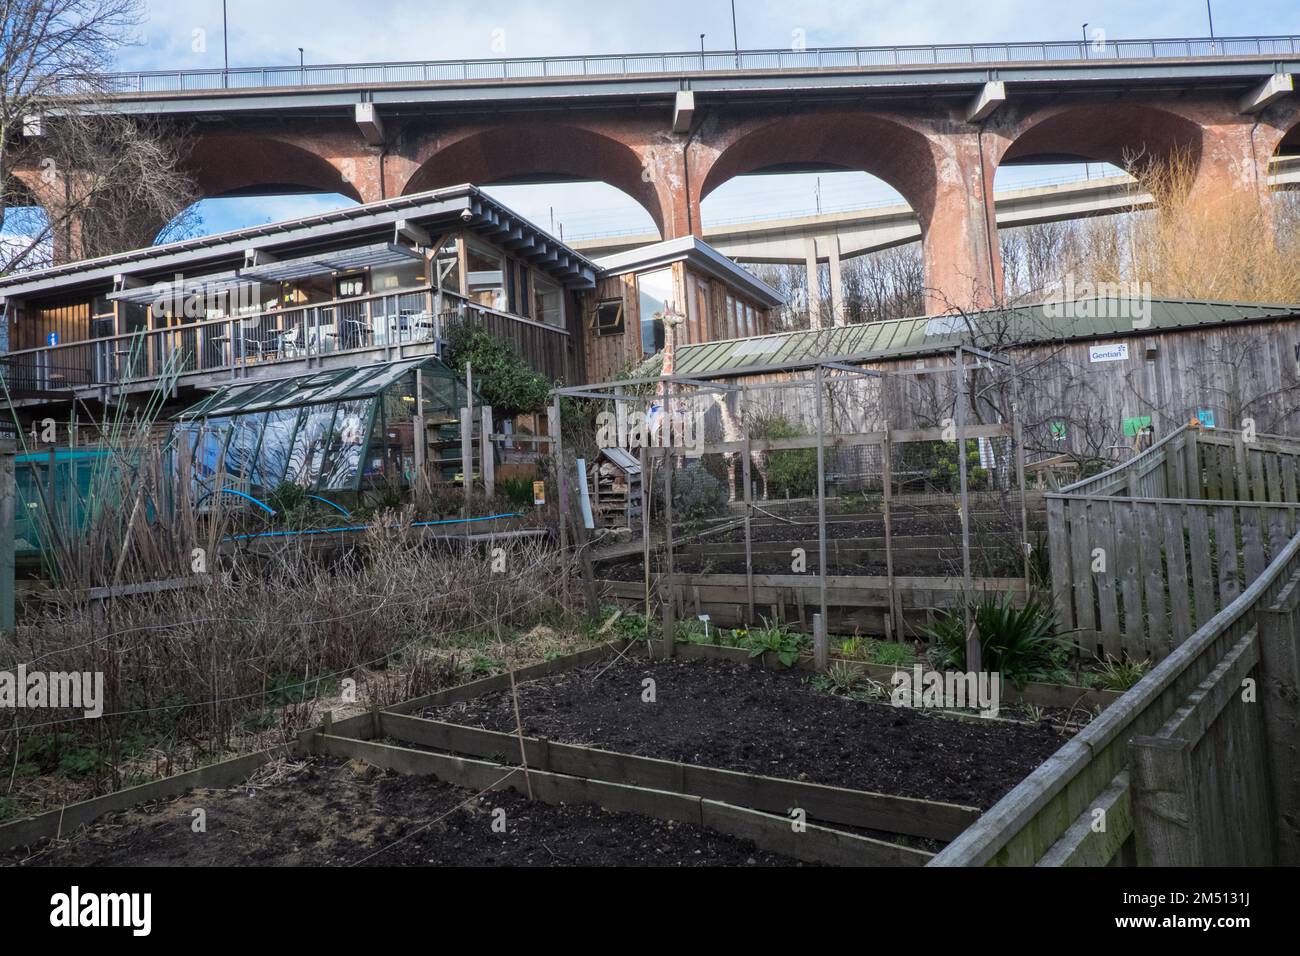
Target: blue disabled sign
{"x": 52, "y": 338}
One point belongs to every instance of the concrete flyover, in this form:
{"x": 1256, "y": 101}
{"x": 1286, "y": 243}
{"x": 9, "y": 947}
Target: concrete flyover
{"x": 855, "y": 232}
{"x": 935, "y": 123}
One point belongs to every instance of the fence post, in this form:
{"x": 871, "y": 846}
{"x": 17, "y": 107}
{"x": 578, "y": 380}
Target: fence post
{"x": 668, "y": 585}
{"x": 1279, "y": 693}
{"x": 1166, "y": 812}
{"x": 821, "y": 645}
{"x": 487, "y": 457}
{"x": 7, "y": 496}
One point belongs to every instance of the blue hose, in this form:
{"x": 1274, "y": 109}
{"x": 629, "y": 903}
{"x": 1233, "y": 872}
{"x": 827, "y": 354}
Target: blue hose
{"x": 232, "y": 491}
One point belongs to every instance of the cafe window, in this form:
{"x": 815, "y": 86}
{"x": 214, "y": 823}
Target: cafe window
{"x": 548, "y": 302}
{"x": 654, "y": 295}
{"x": 349, "y": 287}
{"x": 525, "y": 300}
{"x": 609, "y": 317}
{"x": 486, "y": 268}
{"x": 447, "y": 265}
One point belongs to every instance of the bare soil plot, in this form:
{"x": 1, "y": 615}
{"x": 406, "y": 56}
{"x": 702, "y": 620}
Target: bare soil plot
{"x": 737, "y": 717}
{"x": 329, "y": 812}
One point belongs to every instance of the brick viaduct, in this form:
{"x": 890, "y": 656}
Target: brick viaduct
{"x": 929, "y": 147}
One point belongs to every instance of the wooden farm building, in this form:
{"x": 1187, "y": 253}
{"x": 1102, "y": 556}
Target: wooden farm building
{"x": 718, "y": 299}
{"x": 1092, "y": 379}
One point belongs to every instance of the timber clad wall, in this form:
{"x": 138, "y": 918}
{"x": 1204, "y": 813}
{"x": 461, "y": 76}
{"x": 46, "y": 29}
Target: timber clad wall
{"x": 1234, "y": 370}
{"x": 713, "y": 309}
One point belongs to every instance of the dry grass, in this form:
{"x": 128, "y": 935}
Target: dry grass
{"x": 1228, "y": 246}
{"x": 250, "y": 658}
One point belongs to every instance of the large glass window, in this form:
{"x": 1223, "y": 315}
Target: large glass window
{"x": 548, "y": 302}
{"x": 487, "y": 282}
{"x": 447, "y": 266}
{"x": 655, "y": 295}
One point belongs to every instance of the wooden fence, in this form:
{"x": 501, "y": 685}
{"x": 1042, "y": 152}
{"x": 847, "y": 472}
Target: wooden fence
{"x": 1146, "y": 553}
{"x": 1196, "y": 764}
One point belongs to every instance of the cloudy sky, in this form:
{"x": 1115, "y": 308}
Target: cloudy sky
{"x": 331, "y": 31}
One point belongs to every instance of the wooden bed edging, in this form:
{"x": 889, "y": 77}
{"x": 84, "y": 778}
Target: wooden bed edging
{"x": 861, "y": 808}
{"x": 1034, "y": 823}
{"x": 56, "y": 824}
{"x": 227, "y": 773}
{"x": 773, "y": 833}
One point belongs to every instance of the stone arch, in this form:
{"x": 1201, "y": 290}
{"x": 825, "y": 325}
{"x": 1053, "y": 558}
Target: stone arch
{"x": 539, "y": 152}
{"x": 897, "y": 154}
{"x": 239, "y": 164}
{"x": 1127, "y": 135}
{"x": 935, "y": 166}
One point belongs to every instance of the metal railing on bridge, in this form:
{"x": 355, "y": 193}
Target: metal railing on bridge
{"x": 673, "y": 64}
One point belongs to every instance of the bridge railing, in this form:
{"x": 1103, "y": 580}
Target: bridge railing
{"x": 779, "y": 60}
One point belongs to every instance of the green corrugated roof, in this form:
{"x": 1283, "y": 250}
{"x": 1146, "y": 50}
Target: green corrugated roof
{"x": 1024, "y": 324}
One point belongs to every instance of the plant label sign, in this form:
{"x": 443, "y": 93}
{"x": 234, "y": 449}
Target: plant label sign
{"x": 539, "y": 493}
{"x": 1116, "y": 352}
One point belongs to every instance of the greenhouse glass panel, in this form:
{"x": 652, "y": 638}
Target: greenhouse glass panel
{"x": 241, "y": 450}
{"x": 308, "y": 453}
{"x": 273, "y": 455}
{"x": 208, "y": 451}
{"x": 346, "y": 442}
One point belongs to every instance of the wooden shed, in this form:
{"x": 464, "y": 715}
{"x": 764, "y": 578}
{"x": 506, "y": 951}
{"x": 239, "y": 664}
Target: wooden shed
{"x": 719, "y": 299}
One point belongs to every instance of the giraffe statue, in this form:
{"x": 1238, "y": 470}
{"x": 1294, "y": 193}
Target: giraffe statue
{"x": 733, "y": 431}
{"x": 670, "y": 318}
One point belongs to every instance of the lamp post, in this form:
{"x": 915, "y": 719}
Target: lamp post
{"x": 225, "y": 46}
{"x": 1084, "y": 30}
{"x": 302, "y": 71}
{"x": 735, "y": 37}
{"x": 701, "y": 51}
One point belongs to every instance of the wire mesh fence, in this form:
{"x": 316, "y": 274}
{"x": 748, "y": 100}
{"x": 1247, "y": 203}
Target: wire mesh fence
{"x": 882, "y": 496}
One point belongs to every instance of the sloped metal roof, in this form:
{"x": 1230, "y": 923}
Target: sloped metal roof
{"x": 333, "y": 385}
{"x": 1082, "y": 319}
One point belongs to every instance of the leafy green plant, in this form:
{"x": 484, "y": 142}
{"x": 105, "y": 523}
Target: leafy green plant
{"x": 697, "y": 495}
{"x": 503, "y": 379}
{"x": 843, "y": 677}
{"x": 1020, "y": 643}
{"x": 775, "y": 639}
{"x": 891, "y": 654}
{"x": 290, "y": 504}
{"x": 1120, "y": 674}
{"x": 518, "y": 491}
{"x": 791, "y": 472}
{"x": 692, "y": 631}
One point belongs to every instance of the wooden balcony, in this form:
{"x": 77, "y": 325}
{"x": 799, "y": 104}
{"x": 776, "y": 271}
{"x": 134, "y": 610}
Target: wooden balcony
{"x": 273, "y": 344}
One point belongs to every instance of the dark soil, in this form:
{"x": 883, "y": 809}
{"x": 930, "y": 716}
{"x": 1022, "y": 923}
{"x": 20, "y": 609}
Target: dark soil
{"x": 334, "y": 813}
{"x": 738, "y": 717}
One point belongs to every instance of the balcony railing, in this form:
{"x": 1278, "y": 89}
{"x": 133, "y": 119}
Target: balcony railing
{"x": 832, "y": 58}
{"x": 395, "y": 325}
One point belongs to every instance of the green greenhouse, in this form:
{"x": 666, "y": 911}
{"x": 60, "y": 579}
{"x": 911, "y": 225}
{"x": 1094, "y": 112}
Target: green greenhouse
{"x": 339, "y": 430}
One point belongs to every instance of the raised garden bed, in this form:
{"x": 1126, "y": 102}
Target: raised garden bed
{"x": 740, "y": 718}
{"x": 855, "y": 602}
{"x": 334, "y": 813}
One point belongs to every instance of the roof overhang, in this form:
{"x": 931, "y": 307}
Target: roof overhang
{"x": 457, "y": 207}
{"x": 696, "y": 253}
